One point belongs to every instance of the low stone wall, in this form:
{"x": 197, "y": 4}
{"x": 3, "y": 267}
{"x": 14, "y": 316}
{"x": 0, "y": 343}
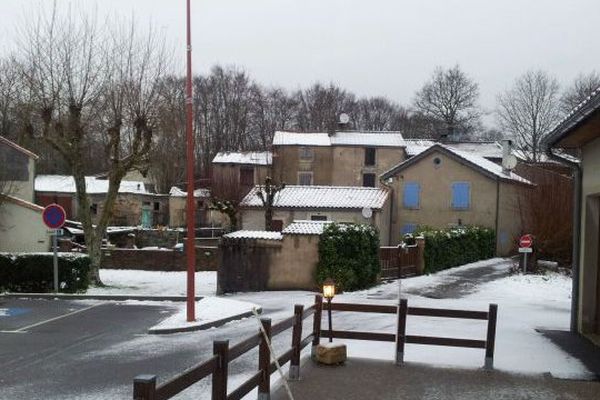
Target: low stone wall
{"x": 207, "y": 259}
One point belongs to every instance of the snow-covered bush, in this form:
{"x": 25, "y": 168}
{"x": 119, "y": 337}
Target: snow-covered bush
{"x": 447, "y": 248}
{"x": 34, "y": 272}
{"x": 349, "y": 254}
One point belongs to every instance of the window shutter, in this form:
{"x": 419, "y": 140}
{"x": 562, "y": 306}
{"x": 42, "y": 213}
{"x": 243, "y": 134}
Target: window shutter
{"x": 461, "y": 195}
{"x": 412, "y": 191}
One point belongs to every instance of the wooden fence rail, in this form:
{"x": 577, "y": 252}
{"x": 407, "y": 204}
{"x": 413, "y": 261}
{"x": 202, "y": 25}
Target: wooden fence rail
{"x": 146, "y": 388}
{"x": 401, "y": 338}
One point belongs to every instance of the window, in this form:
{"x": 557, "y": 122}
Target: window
{"x": 305, "y": 178}
{"x": 318, "y": 218}
{"x": 277, "y": 225}
{"x": 461, "y": 195}
{"x": 369, "y": 180}
{"x": 156, "y": 206}
{"x": 306, "y": 153}
{"x": 412, "y": 194}
{"x": 369, "y": 156}
{"x": 247, "y": 176}
{"x": 408, "y": 228}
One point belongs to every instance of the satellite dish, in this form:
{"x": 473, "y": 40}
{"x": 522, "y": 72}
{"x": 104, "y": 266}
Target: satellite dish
{"x": 367, "y": 212}
{"x": 344, "y": 118}
{"x": 510, "y": 162}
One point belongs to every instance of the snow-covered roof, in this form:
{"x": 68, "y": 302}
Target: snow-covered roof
{"x": 487, "y": 149}
{"x": 313, "y": 197}
{"x": 245, "y": 157}
{"x": 176, "y": 192}
{"x": 378, "y": 139}
{"x": 265, "y": 235}
{"x": 481, "y": 163}
{"x": 302, "y": 227}
{"x": 94, "y": 185}
{"x": 543, "y": 157}
{"x": 416, "y": 146}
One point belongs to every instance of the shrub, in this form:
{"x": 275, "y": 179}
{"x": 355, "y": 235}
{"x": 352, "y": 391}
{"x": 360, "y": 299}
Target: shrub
{"x": 349, "y": 254}
{"x": 34, "y": 272}
{"x": 447, "y": 248}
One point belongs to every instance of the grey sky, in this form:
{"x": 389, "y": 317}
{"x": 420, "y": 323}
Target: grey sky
{"x": 371, "y": 47}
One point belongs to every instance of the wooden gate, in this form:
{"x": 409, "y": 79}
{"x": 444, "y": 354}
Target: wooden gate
{"x": 398, "y": 261}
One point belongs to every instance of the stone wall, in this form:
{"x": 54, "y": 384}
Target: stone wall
{"x": 207, "y": 259}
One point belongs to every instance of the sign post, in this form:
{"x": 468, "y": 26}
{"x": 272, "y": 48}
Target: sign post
{"x": 54, "y": 217}
{"x": 525, "y": 243}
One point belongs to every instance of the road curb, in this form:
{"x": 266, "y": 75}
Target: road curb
{"x": 201, "y": 327}
{"x": 108, "y": 297}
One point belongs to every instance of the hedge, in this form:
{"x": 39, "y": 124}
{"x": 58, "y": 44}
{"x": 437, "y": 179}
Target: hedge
{"x": 34, "y": 272}
{"x": 447, "y": 248}
{"x": 349, "y": 254}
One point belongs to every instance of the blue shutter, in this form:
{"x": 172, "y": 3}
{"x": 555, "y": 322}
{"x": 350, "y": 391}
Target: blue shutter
{"x": 408, "y": 228}
{"x": 412, "y": 191}
{"x": 461, "y": 195}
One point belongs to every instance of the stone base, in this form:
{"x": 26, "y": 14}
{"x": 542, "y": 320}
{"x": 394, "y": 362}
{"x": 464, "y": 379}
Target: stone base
{"x": 331, "y": 353}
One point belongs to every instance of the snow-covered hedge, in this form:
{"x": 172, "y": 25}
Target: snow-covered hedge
{"x": 447, "y": 248}
{"x": 33, "y": 272}
{"x": 349, "y": 254}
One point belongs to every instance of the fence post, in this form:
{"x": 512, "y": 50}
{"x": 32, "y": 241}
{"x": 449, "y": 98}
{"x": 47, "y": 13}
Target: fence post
{"x": 491, "y": 337}
{"x": 296, "y": 339}
{"x": 219, "y": 376}
{"x": 144, "y": 387}
{"x": 264, "y": 362}
{"x": 401, "y": 332}
{"x": 317, "y": 324}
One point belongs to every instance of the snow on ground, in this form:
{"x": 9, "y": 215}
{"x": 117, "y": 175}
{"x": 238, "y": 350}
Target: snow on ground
{"x": 209, "y": 309}
{"x": 153, "y": 283}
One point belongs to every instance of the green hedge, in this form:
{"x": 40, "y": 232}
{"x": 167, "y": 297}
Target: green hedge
{"x": 34, "y": 272}
{"x": 349, "y": 254}
{"x": 447, "y": 248}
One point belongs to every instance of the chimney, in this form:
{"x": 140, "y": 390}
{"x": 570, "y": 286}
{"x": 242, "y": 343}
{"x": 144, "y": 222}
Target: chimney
{"x": 506, "y": 155}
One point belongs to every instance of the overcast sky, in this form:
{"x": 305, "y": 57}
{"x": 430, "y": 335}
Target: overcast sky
{"x": 370, "y": 47}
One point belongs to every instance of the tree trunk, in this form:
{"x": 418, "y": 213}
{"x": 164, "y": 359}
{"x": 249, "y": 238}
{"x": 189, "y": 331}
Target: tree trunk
{"x": 94, "y": 247}
{"x": 269, "y": 218}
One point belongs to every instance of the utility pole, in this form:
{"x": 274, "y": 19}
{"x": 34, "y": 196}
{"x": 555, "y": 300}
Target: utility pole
{"x": 190, "y": 245}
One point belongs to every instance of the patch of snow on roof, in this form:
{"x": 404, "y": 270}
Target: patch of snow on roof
{"x": 379, "y": 139}
{"x": 543, "y": 157}
{"x": 176, "y": 192}
{"x": 94, "y": 185}
{"x": 304, "y": 227}
{"x": 488, "y": 149}
{"x": 245, "y": 157}
{"x": 297, "y": 196}
{"x": 265, "y": 235}
{"x": 301, "y": 139}
{"x": 416, "y": 146}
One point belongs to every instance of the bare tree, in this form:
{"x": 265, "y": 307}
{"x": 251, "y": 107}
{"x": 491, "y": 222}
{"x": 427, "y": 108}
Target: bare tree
{"x": 529, "y": 111}
{"x": 89, "y": 79}
{"x": 319, "y": 107}
{"x": 450, "y": 97}
{"x": 579, "y": 90}
{"x": 266, "y": 193}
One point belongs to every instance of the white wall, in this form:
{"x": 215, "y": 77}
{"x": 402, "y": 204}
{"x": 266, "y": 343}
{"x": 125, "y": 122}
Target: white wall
{"x": 22, "y": 229}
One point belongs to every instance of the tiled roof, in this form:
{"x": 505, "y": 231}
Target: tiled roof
{"x": 486, "y": 166}
{"x": 94, "y": 185}
{"x": 18, "y": 148}
{"x": 378, "y": 139}
{"x": 313, "y": 197}
{"x": 265, "y": 235}
{"x": 487, "y": 149}
{"x": 245, "y": 157}
{"x": 176, "y": 192}
{"x": 302, "y": 227}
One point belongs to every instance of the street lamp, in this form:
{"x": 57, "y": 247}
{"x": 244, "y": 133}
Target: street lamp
{"x": 328, "y": 293}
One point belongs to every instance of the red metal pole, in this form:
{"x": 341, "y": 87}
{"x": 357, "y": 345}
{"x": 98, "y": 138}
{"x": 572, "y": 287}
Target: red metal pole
{"x": 190, "y": 245}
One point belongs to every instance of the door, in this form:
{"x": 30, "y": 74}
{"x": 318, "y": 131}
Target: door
{"x": 146, "y": 218}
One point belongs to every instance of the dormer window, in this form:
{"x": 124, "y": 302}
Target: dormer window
{"x": 370, "y": 156}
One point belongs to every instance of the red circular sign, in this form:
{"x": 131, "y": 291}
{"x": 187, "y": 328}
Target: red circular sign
{"x": 54, "y": 216}
{"x": 526, "y": 241}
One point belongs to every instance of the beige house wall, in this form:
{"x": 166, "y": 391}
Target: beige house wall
{"x": 22, "y": 229}
{"x": 589, "y": 301}
{"x": 348, "y": 164}
{"x": 295, "y": 265}
{"x": 287, "y": 164}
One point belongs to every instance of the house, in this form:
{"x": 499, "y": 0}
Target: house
{"x": 442, "y": 187}
{"x": 18, "y": 170}
{"x": 21, "y": 225}
{"x": 178, "y": 207}
{"x": 242, "y": 169}
{"x": 579, "y": 131}
{"x": 337, "y": 159}
{"x": 135, "y": 204}
{"x": 320, "y": 203}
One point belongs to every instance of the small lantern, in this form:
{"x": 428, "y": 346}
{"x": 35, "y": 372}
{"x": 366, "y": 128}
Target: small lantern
{"x": 328, "y": 289}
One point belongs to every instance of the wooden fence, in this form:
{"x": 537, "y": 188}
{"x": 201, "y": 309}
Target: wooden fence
{"x": 401, "y": 338}
{"x": 398, "y": 262}
{"x": 145, "y": 387}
